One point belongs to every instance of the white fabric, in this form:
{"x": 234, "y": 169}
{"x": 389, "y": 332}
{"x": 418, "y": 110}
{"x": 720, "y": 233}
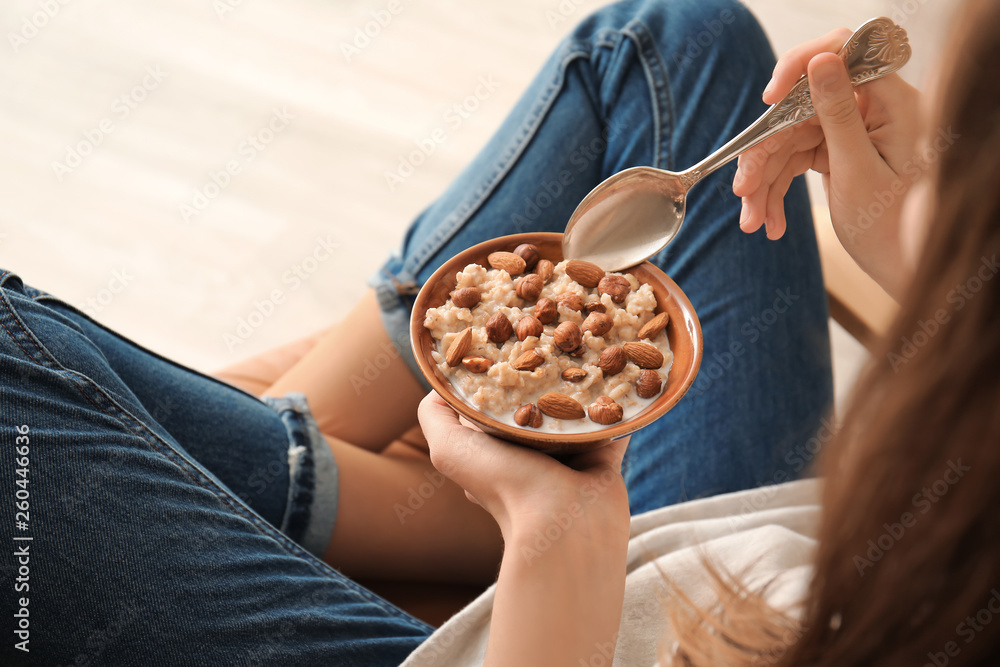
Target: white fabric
{"x": 768, "y": 532}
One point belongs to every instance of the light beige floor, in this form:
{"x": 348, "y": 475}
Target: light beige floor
{"x": 169, "y": 91}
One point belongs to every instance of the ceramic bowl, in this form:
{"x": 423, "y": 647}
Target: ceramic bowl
{"x": 683, "y": 333}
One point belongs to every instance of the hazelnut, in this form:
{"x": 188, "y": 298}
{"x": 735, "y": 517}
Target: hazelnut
{"x": 574, "y": 374}
{"x": 466, "y": 297}
{"x": 571, "y": 301}
{"x": 613, "y": 360}
{"x": 546, "y": 311}
{"x": 568, "y": 336}
{"x": 594, "y": 307}
{"x": 528, "y": 415}
{"x": 499, "y": 328}
{"x": 529, "y": 287}
{"x": 605, "y": 411}
{"x": 477, "y": 364}
{"x": 545, "y": 269}
{"x": 649, "y": 384}
{"x": 528, "y": 326}
{"x": 617, "y": 287}
{"x": 598, "y": 324}
{"x": 529, "y": 253}
{"x": 528, "y": 361}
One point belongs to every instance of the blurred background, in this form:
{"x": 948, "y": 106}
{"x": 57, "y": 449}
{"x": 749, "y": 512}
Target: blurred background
{"x": 209, "y": 178}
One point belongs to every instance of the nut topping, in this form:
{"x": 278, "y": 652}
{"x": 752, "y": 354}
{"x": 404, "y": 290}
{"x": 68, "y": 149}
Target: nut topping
{"x": 466, "y": 297}
{"x": 613, "y": 360}
{"x": 571, "y": 301}
{"x": 499, "y": 328}
{"x": 586, "y": 273}
{"x": 459, "y": 347}
{"x": 528, "y": 326}
{"x": 644, "y": 355}
{"x": 545, "y": 269}
{"x": 560, "y": 406}
{"x": 546, "y": 311}
{"x": 476, "y": 363}
{"x": 598, "y": 324}
{"x": 574, "y": 375}
{"x": 528, "y": 361}
{"x": 567, "y": 336}
{"x": 529, "y": 287}
{"x": 594, "y": 307}
{"x": 649, "y": 384}
{"x": 529, "y": 253}
{"x": 528, "y": 415}
{"x": 617, "y": 287}
{"x": 605, "y": 411}
{"x": 653, "y": 327}
{"x": 507, "y": 261}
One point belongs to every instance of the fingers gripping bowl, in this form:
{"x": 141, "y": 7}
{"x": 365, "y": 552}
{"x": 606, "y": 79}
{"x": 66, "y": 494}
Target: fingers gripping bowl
{"x": 495, "y": 334}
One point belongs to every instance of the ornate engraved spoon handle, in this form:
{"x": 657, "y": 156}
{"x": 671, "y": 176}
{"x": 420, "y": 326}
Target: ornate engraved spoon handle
{"x": 877, "y": 48}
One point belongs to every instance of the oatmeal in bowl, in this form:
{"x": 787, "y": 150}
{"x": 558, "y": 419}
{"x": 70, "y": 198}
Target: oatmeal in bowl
{"x": 554, "y": 354}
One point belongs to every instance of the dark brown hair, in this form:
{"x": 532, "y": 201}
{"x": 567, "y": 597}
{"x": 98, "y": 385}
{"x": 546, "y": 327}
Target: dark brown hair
{"x": 907, "y": 570}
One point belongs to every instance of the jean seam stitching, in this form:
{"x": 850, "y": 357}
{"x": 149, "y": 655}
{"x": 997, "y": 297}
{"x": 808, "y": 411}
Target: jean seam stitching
{"x": 656, "y": 78}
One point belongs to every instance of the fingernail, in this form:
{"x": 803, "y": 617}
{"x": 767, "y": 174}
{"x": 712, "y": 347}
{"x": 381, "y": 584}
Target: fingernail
{"x": 769, "y": 87}
{"x": 744, "y": 214}
{"x": 738, "y": 178}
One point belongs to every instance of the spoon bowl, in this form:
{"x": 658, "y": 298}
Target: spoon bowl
{"x": 611, "y": 226}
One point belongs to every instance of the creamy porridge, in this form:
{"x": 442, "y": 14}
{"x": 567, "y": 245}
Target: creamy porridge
{"x": 561, "y": 348}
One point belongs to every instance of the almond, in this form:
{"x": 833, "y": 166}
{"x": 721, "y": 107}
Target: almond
{"x": 529, "y": 253}
{"x": 546, "y": 311}
{"x": 605, "y": 411}
{"x": 617, "y": 287}
{"x": 613, "y": 360}
{"x": 597, "y": 324}
{"x": 477, "y": 364}
{"x": 499, "y": 328}
{"x": 567, "y": 336}
{"x": 574, "y": 375}
{"x": 649, "y": 384}
{"x": 529, "y": 287}
{"x": 459, "y": 347}
{"x": 644, "y": 355}
{"x": 528, "y": 326}
{"x": 545, "y": 269}
{"x": 560, "y": 406}
{"x": 507, "y": 261}
{"x": 528, "y": 361}
{"x": 571, "y": 301}
{"x": 586, "y": 273}
{"x": 653, "y": 327}
{"x": 528, "y": 415}
{"x": 466, "y": 297}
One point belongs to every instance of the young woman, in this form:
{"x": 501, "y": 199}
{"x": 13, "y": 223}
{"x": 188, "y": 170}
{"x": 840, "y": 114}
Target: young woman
{"x": 175, "y": 519}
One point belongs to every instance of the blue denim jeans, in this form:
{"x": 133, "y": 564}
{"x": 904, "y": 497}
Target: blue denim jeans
{"x": 173, "y": 519}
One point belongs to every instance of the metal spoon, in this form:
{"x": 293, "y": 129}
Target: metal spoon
{"x": 637, "y": 212}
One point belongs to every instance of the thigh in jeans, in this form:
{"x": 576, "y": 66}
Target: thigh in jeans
{"x": 660, "y": 83}
{"x": 139, "y": 554}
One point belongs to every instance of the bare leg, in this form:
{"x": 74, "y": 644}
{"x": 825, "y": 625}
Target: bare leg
{"x": 398, "y": 518}
{"x": 352, "y": 398}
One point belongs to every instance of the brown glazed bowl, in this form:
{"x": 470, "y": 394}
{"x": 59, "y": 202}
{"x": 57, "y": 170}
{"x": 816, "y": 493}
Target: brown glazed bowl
{"x": 683, "y": 333}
